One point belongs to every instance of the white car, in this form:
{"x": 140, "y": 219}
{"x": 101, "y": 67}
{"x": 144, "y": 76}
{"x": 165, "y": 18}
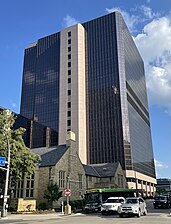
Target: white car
{"x": 134, "y": 206}
{"x": 111, "y": 205}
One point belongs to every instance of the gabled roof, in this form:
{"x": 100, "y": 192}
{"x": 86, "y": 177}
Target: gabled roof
{"x": 101, "y": 170}
{"x": 50, "y": 156}
{"x": 90, "y": 171}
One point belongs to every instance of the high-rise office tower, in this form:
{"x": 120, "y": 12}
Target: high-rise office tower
{"x": 89, "y": 78}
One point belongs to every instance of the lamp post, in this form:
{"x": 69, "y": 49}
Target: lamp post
{"x": 5, "y": 197}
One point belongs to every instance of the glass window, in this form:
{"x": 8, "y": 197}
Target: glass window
{"x": 18, "y": 194}
{"x": 61, "y": 179}
{"x": 68, "y": 122}
{"x": 80, "y": 181}
{"x": 27, "y": 193}
{"x": 28, "y": 183}
{"x": 69, "y": 104}
{"x": 69, "y": 113}
{"x": 32, "y": 184}
{"x": 69, "y": 34}
{"x": 119, "y": 182}
{"x": 31, "y": 193}
{"x": 21, "y": 193}
{"x": 46, "y": 56}
{"x": 32, "y": 176}
{"x": 90, "y": 178}
{"x": 122, "y": 185}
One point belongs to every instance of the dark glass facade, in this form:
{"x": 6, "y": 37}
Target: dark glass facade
{"x": 36, "y": 134}
{"x": 40, "y": 87}
{"x": 29, "y": 82}
{"x": 139, "y": 123}
{"x": 118, "y": 121}
{"x": 103, "y": 109}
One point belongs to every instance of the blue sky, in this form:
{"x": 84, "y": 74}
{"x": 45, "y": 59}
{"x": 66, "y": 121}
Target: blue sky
{"x": 23, "y": 22}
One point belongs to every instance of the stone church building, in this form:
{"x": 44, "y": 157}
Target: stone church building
{"x": 62, "y": 165}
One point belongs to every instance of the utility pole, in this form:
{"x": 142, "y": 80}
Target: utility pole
{"x": 5, "y": 197}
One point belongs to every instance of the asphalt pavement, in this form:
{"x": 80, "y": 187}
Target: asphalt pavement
{"x": 158, "y": 216}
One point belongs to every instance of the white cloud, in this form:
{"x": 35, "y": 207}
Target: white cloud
{"x": 131, "y": 20}
{"x": 141, "y": 14}
{"x": 154, "y": 45}
{"x": 69, "y": 21}
{"x": 155, "y": 39}
{"x": 148, "y": 12}
{"x": 160, "y": 165}
{"x": 13, "y": 104}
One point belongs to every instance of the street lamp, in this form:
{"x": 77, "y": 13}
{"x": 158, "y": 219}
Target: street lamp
{"x": 5, "y": 197}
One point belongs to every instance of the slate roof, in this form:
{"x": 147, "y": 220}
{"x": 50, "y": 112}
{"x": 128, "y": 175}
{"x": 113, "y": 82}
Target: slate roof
{"x": 90, "y": 171}
{"x": 101, "y": 170}
{"x": 50, "y": 156}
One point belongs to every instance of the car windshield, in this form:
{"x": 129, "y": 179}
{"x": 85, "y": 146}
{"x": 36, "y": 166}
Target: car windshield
{"x": 160, "y": 198}
{"x": 112, "y": 200}
{"x": 131, "y": 201}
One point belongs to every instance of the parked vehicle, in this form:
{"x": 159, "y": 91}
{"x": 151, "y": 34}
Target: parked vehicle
{"x": 134, "y": 206}
{"x": 97, "y": 196}
{"x": 162, "y": 201}
{"x": 111, "y": 205}
{"x": 92, "y": 207}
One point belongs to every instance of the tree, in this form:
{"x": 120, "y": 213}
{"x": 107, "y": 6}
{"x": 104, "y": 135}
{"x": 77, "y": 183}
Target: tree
{"x": 52, "y": 193}
{"x": 160, "y": 190}
{"x": 23, "y": 161}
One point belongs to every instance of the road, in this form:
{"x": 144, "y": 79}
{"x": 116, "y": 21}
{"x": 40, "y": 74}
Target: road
{"x": 155, "y": 216}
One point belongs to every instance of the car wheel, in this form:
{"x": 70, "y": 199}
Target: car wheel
{"x": 145, "y": 211}
{"x": 103, "y": 212}
{"x": 121, "y": 215}
{"x": 139, "y": 214}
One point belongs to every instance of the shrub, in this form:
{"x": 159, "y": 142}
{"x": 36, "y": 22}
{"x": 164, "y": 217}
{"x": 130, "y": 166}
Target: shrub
{"x": 12, "y": 208}
{"x": 42, "y": 206}
{"x": 76, "y": 204}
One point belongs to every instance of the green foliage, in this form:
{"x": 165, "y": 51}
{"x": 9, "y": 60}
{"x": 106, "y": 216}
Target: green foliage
{"x": 76, "y": 203}
{"x": 160, "y": 190}
{"x": 52, "y": 193}
{"x": 42, "y": 206}
{"x": 12, "y": 208}
{"x": 23, "y": 161}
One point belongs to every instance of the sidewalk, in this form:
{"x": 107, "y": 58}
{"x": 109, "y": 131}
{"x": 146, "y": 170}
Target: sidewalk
{"x": 28, "y": 217}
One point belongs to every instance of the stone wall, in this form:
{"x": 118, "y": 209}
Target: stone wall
{"x": 71, "y": 164}
{"x": 117, "y": 180}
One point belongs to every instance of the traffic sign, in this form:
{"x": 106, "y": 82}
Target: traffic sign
{"x": 67, "y": 192}
{"x": 2, "y": 161}
{"x": 6, "y": 196}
